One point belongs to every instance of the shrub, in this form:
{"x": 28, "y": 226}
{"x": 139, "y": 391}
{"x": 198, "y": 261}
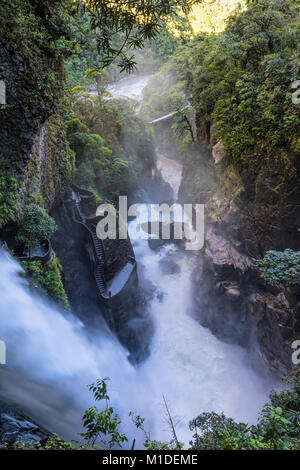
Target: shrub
{"x": 37, "y": 226}
{"x": 277, "y": 428}
{"x": 114, "y": 150}
{"x": 8, "y": 199}
{"x": 47, "y": 279}
{"x": 280, "y": 267}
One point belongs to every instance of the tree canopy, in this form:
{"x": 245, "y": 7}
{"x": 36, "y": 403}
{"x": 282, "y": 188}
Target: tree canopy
{"x": 134, "y": 21}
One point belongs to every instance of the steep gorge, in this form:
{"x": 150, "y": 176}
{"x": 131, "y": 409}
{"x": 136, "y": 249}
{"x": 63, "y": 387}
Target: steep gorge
{"x": 208, "y": 346}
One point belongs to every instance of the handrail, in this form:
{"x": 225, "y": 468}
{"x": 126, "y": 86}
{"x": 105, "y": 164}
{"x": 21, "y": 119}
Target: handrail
{"x": 83, "y": 192}
{"x": 45, "y": 258}
{"x": 167, "y": 116}
{"x": 98, "y": 247}
{"x": 98, "y": 250}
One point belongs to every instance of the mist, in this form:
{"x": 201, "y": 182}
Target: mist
{"x": 52, "y": 357}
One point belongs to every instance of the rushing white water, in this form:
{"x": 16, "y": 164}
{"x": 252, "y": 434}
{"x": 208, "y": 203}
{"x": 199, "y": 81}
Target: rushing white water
{"x": 129, "y": 87}
{"x": 51, "y": 358}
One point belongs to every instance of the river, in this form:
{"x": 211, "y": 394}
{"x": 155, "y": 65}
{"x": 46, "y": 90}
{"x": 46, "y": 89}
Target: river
{"x": 51, "y": 357}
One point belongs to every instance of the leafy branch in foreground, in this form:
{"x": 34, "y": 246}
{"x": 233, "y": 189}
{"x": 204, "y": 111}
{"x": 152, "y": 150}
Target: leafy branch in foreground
{"x": 278, "y": 427}
{"x": 104, "y": 422}
{"x": 129, "y": 24}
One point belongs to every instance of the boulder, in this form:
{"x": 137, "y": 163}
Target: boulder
{"x": 15, "y": 427}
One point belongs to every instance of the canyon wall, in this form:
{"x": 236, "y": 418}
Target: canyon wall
{"x": 240, "y": 228}
{"x": 34, "y": 151}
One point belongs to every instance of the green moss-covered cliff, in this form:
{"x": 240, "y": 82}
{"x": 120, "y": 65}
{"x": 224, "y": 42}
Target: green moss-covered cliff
{"x": 242, "y": 93}
{"x": 35, "y": 39}
{"x": 249, "y": 173}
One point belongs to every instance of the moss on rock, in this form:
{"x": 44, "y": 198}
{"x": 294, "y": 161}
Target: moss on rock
{"x": 48, "y": 279}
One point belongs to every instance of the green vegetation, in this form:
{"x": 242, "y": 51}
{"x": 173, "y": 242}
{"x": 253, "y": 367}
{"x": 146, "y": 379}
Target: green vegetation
{"x": 57, "y": 171}
{"x": 242, "y": 81}
{"x": 124, "y": 26}
{"x": 35, "y": 39}
{"x": 278, "y": 427}
{"x": 101, "y": 427}
{"x": 164, "y": 93}
{"x": 37, "y": 226}
{"x": 114, "y": 151}
{"x": 280, "y": 267}
{"x": 102, "y": 423}
{"x": 153, "y": 54}
{"x": 47, "y": 279}
{"x": 9, "y": 198}
{"x": 31, "y": 40}
{"x": 85, "y": 55}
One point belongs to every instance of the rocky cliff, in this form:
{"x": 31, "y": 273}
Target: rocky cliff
{"x": 240, "y": 229}
{"x": 33, "y": 44}
{"x": 17, "y": 429}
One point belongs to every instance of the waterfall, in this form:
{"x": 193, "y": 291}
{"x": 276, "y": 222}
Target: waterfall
{"x": 52, "y": 357}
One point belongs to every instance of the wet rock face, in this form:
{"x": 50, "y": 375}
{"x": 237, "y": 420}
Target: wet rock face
{"x": 20, "y": 123}
{"x": 275, "y": 316}
{"x": 126, "y": 314}
{"x": 218, "y": 152}
{"x": 243, "y": 220}
{"x": 116, "y": 256}
{"x": 232, "y": 300}
{"x": 33, "y": 75}
{"x": 268, "y": 217}
{"x": 15, "y": 427}
{"x": 30, "y": 97}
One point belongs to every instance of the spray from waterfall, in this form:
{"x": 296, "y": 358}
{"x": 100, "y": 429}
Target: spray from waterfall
{"x": 51, "y": 358}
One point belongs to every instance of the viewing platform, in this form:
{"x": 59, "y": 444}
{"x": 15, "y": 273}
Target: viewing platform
{"x": 110, "y": 285}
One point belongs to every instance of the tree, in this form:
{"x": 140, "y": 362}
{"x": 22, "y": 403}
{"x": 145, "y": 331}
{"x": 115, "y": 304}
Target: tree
{"x": 104, "y": 422}
{"x": 37, "y": 227}
{"x": 136, "y": 22}
{"x": 278, "y": 427}
{"x": 171, "y": 422}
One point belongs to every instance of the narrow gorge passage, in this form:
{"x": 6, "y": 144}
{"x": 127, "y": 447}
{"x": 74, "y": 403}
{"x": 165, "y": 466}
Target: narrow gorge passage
{"x": 53, "y": 359}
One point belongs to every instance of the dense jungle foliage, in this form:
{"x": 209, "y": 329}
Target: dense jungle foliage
{"x": 151, "y": 57}
{"x": 241, "y": 85}
{"x": 241, "y": 81}
{"x": 114, "y": 150}
{"x": 47, "y": 279}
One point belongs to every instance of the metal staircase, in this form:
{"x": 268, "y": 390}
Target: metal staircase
{"x": 97, "y": 246}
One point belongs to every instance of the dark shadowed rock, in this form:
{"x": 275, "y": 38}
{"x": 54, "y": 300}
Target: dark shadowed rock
{"x": 15, "y": 427}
